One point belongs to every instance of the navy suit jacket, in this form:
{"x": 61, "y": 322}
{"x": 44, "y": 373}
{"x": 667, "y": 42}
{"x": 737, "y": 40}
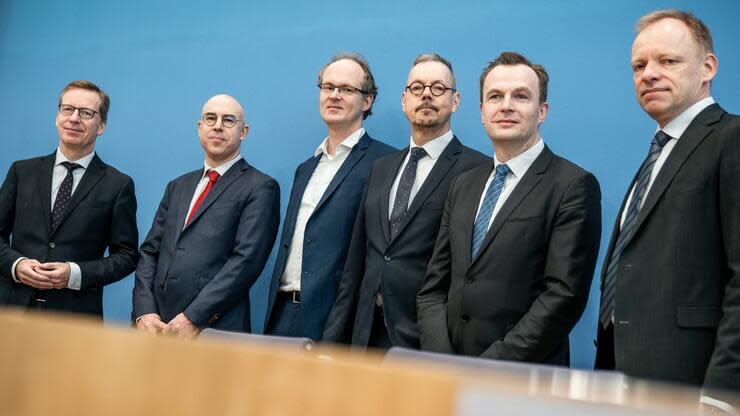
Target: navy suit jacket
{"x": 101, "y": 215}
{"x": 206, "y": 269}
{"x": 327, "y": 233}
{"x": 396, "y": 266}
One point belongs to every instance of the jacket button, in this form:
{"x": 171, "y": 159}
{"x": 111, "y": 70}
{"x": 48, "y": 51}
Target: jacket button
{"x": 52, "y": 245}
{"x": 161, "y": 284}
{"x": 465, "y": 319}
{"x": 387, "y": 258}
{"x": 469, "y": 279}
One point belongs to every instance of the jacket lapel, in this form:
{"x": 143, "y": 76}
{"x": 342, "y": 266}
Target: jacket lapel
{"x": 184, "y": 198}
{"x": 357, "y": 153}
{"x": 697, "y": 131}
{"x": 43, "y": 182}
{"x": 303, "y": 175}
{"x": 221, "y": 185}
{"x": 93, "y": 174}
{"x": 394, "y": 164}
{"x": 530, "y": 180}
{"x": 446, "y": 160}
{"x": 469, "y": 208}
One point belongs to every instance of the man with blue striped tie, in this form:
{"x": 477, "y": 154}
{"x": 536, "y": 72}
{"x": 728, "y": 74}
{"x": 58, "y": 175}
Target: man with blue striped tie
{"x": 518, "y": 242}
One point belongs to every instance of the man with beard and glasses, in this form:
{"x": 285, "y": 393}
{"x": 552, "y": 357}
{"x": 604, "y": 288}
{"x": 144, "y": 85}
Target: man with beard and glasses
{"x": 399, "y": 216}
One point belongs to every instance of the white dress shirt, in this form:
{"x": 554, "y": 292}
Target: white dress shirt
{"x": 327, "y": 167}
{"x": 57, "y": 177}
{"x": 674, "y": 129}
{"x": 434, "y": 149}
{"x": 204, "y": 181}
{"x": 519, "y": 165}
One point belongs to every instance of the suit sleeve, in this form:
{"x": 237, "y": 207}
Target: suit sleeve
{"x": 341, "y": 318}
{"x": 146, "y": 269}
{"x": 723, "y": 371}
{"x": 571, "y": 259}
{"x": 431, "y": 302}
{"x": 122, "y": 245}
{"x": 8, "y": 195}
{"x": 255, "y": 236}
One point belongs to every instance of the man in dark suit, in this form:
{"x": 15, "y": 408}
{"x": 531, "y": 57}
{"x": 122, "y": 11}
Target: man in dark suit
{"x": 670, "y": 302}
{"x": 210, "y": 237}
{"x": 399, "y": 216}
{"x": 517, "y": 247}
{"x": 60, "y": 213}
{"x": 323, "y": 203}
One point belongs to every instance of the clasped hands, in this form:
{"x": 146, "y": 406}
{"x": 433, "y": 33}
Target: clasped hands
{"x": 43, "y": 276}
{"x": 180, "y": 326}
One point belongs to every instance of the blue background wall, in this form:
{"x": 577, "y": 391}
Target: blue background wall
{"x": 161, "y": 60}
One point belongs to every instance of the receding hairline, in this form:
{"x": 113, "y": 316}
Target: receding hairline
{"x": 449, "y": 72}
{"x": 226, "y": 98}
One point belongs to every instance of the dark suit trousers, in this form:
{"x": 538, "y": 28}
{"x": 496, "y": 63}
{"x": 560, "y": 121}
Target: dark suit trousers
{"x": 286, "y": 321}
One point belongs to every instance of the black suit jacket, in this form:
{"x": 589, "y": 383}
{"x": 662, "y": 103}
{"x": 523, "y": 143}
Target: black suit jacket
{"x": 206, "y": 269}
{"x": 327, "y": 234}
{"x": 527, "y": 287}
{"x": 395, "y": 266}
{"x": 101, "y": 215}
{"x": 677, "y": 306}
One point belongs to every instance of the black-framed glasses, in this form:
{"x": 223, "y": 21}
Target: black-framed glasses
{"x": 227, "y": 120}
{"x": 68, "y": 110}
{"x": 345, "y": 90}
{"x": 437, "y": 88}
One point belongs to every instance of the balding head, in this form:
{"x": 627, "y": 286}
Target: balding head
{"x": 221, "y": 129}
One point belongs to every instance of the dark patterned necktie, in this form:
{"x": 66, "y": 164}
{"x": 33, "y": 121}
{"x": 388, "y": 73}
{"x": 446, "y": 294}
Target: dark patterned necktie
{"x": 628, "y": 228}
{"x": 486, "y": 209}
{"x": 403, "y": 193}
{"x": 63, "y": 195}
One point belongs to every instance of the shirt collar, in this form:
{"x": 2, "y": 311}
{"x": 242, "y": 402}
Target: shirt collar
{"x": 84, "y": 162}
{"x": 436, "y": 146}
{"x": 521, "y": 162}
{"x": 223, "y": 168}
{"x": 679, "y": 124}
{"x": 347, "y": 143}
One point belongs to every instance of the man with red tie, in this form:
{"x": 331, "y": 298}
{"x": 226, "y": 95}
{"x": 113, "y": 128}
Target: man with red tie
{"x": 210, "y": 237}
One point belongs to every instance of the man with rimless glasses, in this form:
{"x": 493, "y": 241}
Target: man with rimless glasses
{"x": 210, "y": 237}
{"x": 60, "y": 213}
{"x": 397, "y": 223}
{"x": 326, "y": 194}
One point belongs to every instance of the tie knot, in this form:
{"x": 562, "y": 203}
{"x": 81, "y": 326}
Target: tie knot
{"x": 71, "y": 166}
{"x": 417, "y": 153}
{"x": 502, "y": 170}
{"x": 661, "y": 138}
{"x": 212, "y": 175}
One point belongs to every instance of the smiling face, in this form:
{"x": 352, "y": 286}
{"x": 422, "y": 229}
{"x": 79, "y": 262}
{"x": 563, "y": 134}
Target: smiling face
{"x": 77, "y": 136}
{"x": 220, "y": 143}
{"x": 670, "y": 70}
{"x": 341, "y": 110}
{"x": 428, "y": 111}
{"x": 511, "y": 111}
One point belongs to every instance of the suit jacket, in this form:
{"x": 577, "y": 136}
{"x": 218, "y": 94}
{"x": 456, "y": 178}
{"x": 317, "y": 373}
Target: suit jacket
{"x": 206, "y": 269}
{"x": 395, "y": 266}
{"x": 327, "y": 233}
{"x": 677, "y": 305}
{"x": 100, "y": 215}
{"x": 527, "y": 287}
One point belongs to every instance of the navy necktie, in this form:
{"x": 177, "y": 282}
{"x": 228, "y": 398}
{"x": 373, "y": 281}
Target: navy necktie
{"x": 63, "y": 195}
{"x": 403, "y": 192}
{"x": 486, "y": 209}
{"x": 628, "y": 228}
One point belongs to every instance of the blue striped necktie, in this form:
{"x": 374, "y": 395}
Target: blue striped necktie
{"x": 608, "y": 292}
{"x": 486, "y": 209}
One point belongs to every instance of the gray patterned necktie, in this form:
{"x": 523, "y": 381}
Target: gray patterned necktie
{"x": 403, "y": 193}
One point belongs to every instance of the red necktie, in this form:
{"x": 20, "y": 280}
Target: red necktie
{"x": 212, "y": 178}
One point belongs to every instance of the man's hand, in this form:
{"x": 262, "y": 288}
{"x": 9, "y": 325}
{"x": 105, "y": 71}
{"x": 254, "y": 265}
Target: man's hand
{"x": 57, "y": 273}
{"x": 28, "y": 272}
{"x": 150, "y": 323}
{"x": 182, "y": 327}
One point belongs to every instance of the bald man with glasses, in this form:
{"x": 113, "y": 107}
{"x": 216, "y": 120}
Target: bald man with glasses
{"x": 210, "y": 237}
{"x": 60, "y": 213}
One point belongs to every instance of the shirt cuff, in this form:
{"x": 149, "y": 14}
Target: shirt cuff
{"x": 718, "y": 404}
{"x": 75, "y": 276}
{"x": 12, "y": 269}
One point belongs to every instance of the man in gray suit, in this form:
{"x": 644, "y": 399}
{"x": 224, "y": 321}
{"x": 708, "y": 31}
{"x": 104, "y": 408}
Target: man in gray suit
{"x": 210, "y": 237}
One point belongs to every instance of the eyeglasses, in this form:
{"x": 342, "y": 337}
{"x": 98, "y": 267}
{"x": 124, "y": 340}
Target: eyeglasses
{"x": 68, "y": 110}
{"x": 344, "y": 90}
{"x": 437, "y": 89}
{"x": 227, "y": 120}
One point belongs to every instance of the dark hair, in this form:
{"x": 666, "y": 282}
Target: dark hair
{"x": 514, "y": 58}
{"x": 87, "y": 85}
